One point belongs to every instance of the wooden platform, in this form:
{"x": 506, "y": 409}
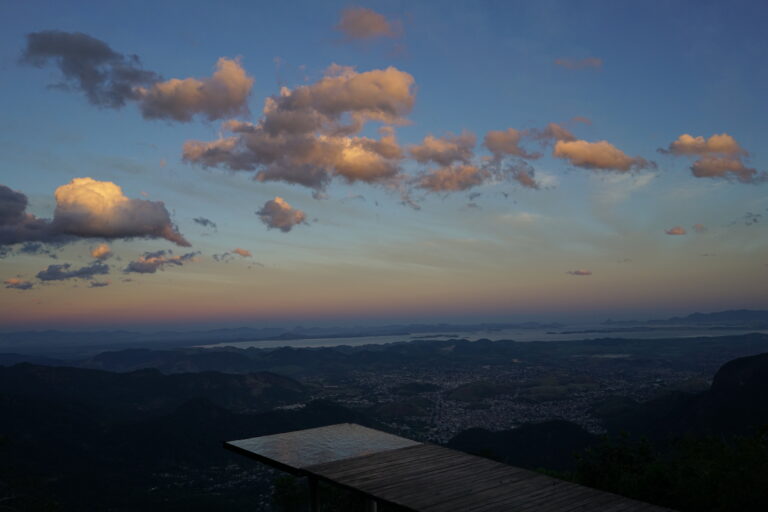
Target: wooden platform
{"x": 424, "y": 477}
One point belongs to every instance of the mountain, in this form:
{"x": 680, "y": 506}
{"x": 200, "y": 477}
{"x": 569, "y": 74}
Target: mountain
{"x": 549, "y": 444}
{"x": 735, "y": 404}
{"x": 82, "y": 439}
{"x": 149, "y": 391}
{"x": 737, "y": 318}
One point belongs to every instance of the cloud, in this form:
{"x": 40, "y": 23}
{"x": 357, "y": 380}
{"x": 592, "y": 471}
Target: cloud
{"x": 150, "y": 262}
{"x": 677, "y": 230}
{"x": 580, "y": 272}
{"x": 524, "y": 174}
{"x": 306, "y": 135}
{"x": 85, "y": 208}
{"x": 600, "y": 155}
{"x": 224, "y": 94}
{"x": 101, "y": 252}
{"x": 62, "y": 272}
{"x": 554, "y": 132}
{"x": 16, "y": 225}
{"x": 361, "y": 23}
{"x": 277, "y": 213}
{"x": 715, "y": 167}
{"x": 242, "y": 252}
{"x": 36, "y": 248}
{"x": 722, "y": 144}
{"x": 445, "y": 150}
{"x": 16, "y": 283}
{"x": 588, "y": 62}
{"x": 453, "y": 178}
{"x": 700, "y": 228}
{"x": 106, "y": 77}
{"x": 720, "y": 156}
{"x": 89, "y": 208}
{"x": 98, "y": 284}
{"x": 206, "y": 223}
{"x": 507, "y": 143}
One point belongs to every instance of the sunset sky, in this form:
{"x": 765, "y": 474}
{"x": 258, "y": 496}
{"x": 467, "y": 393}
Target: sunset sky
{"x": 251, "y": 163}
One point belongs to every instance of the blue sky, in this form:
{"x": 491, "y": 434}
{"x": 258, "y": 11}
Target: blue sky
{"x": 590, "y": 240}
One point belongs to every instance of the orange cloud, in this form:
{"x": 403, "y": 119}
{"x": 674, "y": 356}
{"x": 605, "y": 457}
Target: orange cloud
{"x": 598, "y": 155}
{"x": 242, "y": 252}
{"x": 677, "y": 230}
{"x": 101, "y": 252}
{"x": 720, "y": 156}
{"x": 714, "y": 167}
{"x": 722, "y": 144}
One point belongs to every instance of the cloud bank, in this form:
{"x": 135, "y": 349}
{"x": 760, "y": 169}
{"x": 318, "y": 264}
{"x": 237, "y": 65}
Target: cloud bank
{"x": 306, "y": 136}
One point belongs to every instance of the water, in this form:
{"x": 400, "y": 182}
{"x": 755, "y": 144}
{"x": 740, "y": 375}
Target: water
{"x": 567, "y": 333}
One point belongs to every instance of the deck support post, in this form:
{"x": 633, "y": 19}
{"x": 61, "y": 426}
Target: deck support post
{"x": 313, "y": 503}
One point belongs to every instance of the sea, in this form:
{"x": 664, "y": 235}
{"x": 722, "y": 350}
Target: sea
{"x": 566, "y": 333}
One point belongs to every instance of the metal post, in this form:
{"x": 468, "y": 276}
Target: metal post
{"x": 371, "y": 505}
{"x": 313, "y": 504}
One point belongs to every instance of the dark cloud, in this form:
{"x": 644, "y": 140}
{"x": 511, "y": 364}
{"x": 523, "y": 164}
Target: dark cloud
{"x": 98, "y": 284}
{"x": 31, "y": 248}
{"x": 150, "y": 262}
{"x": 16, "y": 283}
{"x": 62, "y": 272}
{"x": 106, "y": 77}
{"x": 580, "y": 272}
{"x": 206, "y": 223}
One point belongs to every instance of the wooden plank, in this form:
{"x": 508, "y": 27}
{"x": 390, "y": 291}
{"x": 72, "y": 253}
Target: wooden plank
{"x": 429, "y": 478}
{"x": 423, "y": 493}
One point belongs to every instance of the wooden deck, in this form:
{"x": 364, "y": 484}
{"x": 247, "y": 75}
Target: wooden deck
{"x": 428, "y": 478}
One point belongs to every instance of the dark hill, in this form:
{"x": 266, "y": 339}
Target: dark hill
{"x": 149, "y": 391}
{"x": 550, "y": 444}
{"x": 735, "y": 404}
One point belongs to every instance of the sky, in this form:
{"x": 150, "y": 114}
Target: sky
{"x": 189, "y": 164}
